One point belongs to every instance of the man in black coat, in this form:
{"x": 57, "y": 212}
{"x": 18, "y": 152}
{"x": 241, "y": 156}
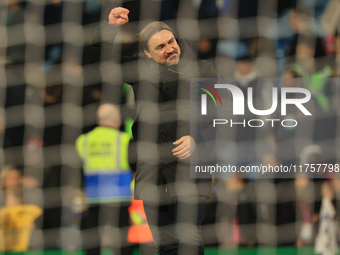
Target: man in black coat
{"x": 160, "y": 77}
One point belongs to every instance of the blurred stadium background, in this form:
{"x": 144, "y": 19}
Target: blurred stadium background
{"x": 49, "y": 94}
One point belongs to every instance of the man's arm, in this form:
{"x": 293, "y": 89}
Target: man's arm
{"x": 104, "y": 55}
{"x": 105, "y": 34}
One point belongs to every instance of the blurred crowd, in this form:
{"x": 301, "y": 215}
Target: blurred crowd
{"x": 49, "y": 94}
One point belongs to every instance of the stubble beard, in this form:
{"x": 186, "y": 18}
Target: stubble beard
{"x": 172, "y": 63}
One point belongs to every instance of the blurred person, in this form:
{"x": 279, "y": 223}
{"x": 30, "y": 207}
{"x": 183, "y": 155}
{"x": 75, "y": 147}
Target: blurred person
{"x": 314, "y": 70}
{"x": 171, "y": 198}
{"x": 305, "y": 217}
{"x": 315, "y": 129}
{"x": 33, "y": 152}
{"x": 92, "y": 94}
{"x": 53, "y": 15}
{"x": 332, "y": 88}
{"x": 11, "y": 178}
{"x": 265, "y": 192}
{"x": 246, "y": 76}
{"x": 236, "y": 212}
{"x": 299, "y": 21}
{"x": 42, "y": 176}
{"x": 250, "y": 142}
{"x": 15, "y": 48}
{"x": 326, "y": 240}
{"x": 208, "y": 10}
{"x": 51, "y": 95}
{"x": 263, "y": 50}
{"x": 107, "y": 174}
{"x": 290, "y": 80}
{"x": 245, "y": 71}
{"x": 276, "y": 209}
{"x": 15, "y": 186}
{"x": 314, "y": 155}
{"x": 335, "y": 182}
{"x": 330, "y": 17}
{"x": 337, "y": 56}
{"x": 306, "y": 53}
{"x": 52, "y": 100}
{"x": 16, "y": 218}
{"x": 19, "y": 188}
{"x": 283, "y": 138}
{"x": 296, "y": 21}
{"x": 207, "y": 49}
{"x": 285, "y": 217}
{"x": 270, "y": 161}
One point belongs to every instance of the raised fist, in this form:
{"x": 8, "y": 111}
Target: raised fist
{"x": 118, "y": 16}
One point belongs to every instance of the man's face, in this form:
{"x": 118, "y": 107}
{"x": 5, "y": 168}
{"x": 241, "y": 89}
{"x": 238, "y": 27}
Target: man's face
{"x": 163, "y": 48}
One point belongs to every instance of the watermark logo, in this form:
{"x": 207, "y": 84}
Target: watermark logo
{"x": 238, "y": 104}
{"x": 204, "y": 97}
{"x": 238, "y": 100}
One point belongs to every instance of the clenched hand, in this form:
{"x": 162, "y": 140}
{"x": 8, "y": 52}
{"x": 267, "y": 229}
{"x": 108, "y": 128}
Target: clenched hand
{"x": 118, "y": 16}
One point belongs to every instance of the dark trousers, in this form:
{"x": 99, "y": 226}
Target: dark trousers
{"x": 112, "y": 215}
{"x": 176, "y": 225}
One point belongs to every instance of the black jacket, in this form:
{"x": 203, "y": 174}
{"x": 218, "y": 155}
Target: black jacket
{"x": 163, "y": 114}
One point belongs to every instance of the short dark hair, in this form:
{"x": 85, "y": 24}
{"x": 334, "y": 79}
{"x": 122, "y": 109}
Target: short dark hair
{"x": 149, "y": 31}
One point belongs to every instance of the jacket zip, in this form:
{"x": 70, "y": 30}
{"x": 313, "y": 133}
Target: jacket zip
{"x": 174, "y": 71}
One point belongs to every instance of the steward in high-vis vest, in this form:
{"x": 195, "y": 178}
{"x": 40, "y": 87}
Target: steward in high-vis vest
{"x": 104, "y": 152}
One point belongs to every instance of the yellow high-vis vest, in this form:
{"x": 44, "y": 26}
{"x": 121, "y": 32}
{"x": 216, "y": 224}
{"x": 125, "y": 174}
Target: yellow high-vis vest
{"x": 104, "y": 152}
